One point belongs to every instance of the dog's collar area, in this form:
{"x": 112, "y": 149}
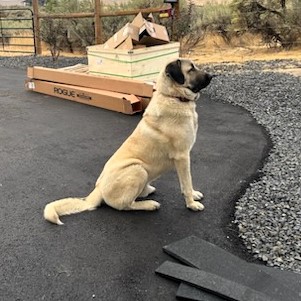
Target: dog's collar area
{"x": 183, "y": 99}
{"x": 179, "y": 98}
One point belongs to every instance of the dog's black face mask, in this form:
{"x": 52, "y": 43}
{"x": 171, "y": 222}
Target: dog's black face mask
{"x": 201, "y": 82}
{"x": 187, "y": 74}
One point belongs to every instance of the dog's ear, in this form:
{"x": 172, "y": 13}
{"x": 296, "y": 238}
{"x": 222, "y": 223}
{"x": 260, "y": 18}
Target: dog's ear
{"x": 174, "y": 71}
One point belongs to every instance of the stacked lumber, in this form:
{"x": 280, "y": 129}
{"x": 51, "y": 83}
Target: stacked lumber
{"x": 74, "y": 83}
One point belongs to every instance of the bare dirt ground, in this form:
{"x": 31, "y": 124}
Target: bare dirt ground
{"x": 248, "y": 48}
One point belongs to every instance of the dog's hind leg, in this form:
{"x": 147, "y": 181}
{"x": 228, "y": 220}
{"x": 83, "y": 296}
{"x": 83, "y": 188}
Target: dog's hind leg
{"x": 148, "y": 189}
{"x": 148, "y": 205}
{"x": 121, "y": 192}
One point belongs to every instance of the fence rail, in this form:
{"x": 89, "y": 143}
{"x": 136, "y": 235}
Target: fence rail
{"x": 97, "y": 15}
{"x": 9, "y": 39}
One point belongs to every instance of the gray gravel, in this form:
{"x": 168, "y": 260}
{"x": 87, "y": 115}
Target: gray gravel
{"x": 22, "y": 62}
{"x": 268, "y": 214}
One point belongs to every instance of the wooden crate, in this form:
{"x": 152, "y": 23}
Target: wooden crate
{"x": 142, "y": 63}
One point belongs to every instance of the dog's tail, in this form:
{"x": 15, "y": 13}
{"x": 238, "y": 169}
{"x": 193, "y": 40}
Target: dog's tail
{"x": 55, "y": 209}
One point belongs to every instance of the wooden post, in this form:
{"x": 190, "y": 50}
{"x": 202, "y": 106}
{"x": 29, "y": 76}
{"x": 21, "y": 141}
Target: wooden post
{"x": 97, "y": 22}
{"x": 36, "y": 24}
{"x": 177, "y": 9}
{"x": 175, "y": 15}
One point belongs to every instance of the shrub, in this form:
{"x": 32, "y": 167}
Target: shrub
{"x": 70, "y": 34}
{"x": 216, "y": 18}
{"x": 53, "y": 34}
{"x": 277, "y": 23}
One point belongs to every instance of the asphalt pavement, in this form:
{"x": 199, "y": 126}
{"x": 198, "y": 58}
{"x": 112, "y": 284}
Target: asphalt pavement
{"x": 52, "y": 148}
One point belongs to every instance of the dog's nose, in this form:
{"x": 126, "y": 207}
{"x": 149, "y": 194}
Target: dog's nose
{"x": 210, "y": 76}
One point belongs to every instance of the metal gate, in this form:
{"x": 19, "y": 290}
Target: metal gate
{"x": 17, "y": 30}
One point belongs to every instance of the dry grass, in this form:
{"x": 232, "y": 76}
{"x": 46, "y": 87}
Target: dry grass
{"x": 248, "y": 47}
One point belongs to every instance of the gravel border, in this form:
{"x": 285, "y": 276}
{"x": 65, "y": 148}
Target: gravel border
{"x": 22, "y": 62}
{"x": 268, "y": 215}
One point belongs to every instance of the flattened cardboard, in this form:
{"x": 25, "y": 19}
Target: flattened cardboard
{"x": 138, "y": 21}
{"x": 150, "y": 33}
{"x": 153, "y": 34}
{"x": 120, "y": 85}
{"x": 128, "y": 104}
{"x": 126, "y": 44}
{"x": 151, "y": 18}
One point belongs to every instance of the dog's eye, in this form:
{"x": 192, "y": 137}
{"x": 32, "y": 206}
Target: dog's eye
{"x": 192, "y": 68}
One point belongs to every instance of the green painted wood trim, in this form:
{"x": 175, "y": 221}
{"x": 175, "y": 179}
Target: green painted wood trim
{"x": 124, "y": 76}
{"x": 130, "y": 62}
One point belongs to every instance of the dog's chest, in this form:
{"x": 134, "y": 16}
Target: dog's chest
{"x": 184, "y": 130}
{"x": 195, "y": 122}
{"x": 193, "y": 127}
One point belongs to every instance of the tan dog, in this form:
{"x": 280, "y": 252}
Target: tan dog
{"x": 162, "y": 140}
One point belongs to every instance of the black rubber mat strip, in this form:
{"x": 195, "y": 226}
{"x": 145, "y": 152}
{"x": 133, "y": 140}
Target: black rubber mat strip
{"x": 215, "y": 284}
{"x": 208, "y": 257}
{"x": 188, "y": 292}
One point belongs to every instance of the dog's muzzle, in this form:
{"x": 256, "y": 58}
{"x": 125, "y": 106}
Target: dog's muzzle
{"x": 202, "y": 82}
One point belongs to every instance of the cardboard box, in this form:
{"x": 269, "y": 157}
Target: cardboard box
{"x": 153, "y": 34}
{"x": 72, "y": 77}
{"x": 128, "y": 31}
{"x": 151, "y": 18}
{"x": 150, "y": 33}
{"x": 120, "y": 102}
{"x": 126, "y": 44}
{"x": 138, "y": 21}
{"x": 140, "y": 31}
{"x": 142, "y": 64}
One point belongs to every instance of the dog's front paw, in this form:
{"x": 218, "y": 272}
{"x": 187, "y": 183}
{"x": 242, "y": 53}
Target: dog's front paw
{"x": 195, "y": 206}
{"x": 197, "y": 195}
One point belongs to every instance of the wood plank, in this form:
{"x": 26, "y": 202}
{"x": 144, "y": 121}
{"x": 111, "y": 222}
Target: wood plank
{"x": 80, "y": 68}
